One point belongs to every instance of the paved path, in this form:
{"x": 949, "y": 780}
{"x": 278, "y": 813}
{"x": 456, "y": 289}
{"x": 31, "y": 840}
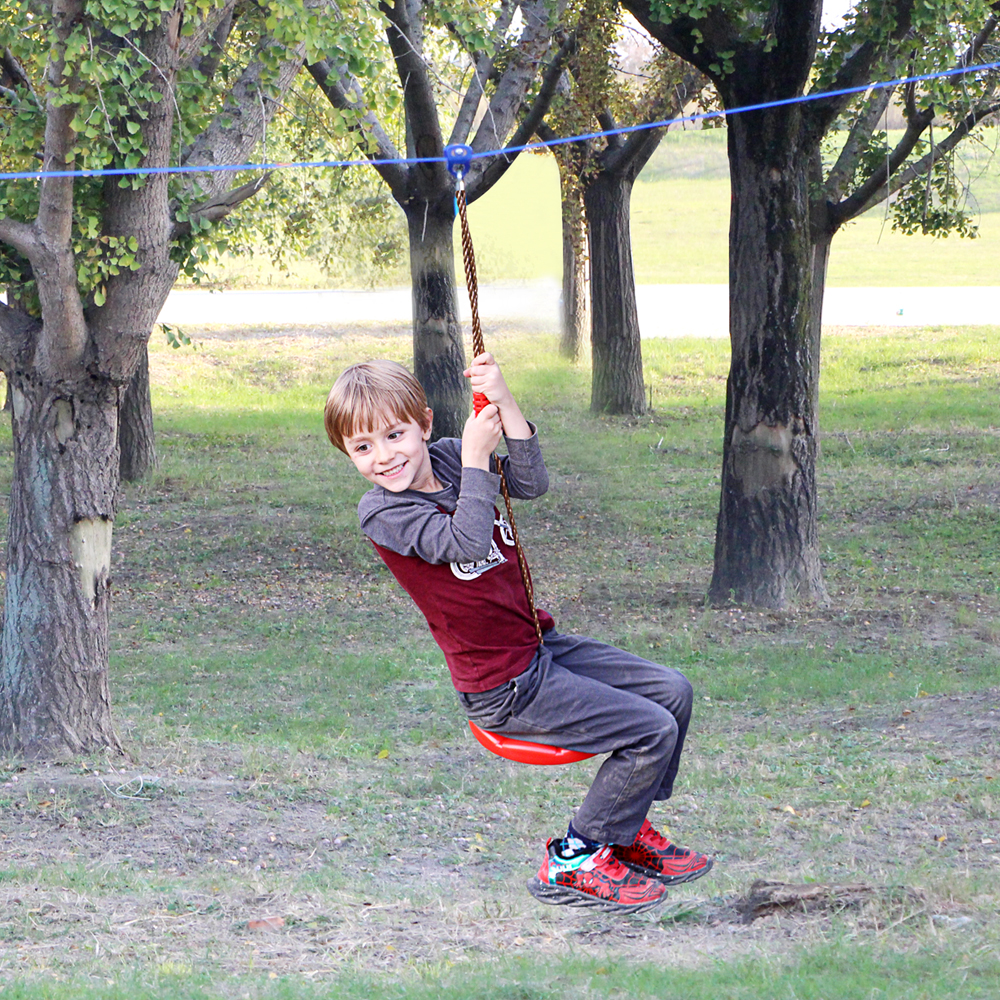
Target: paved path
{"x": 664, "y": 310}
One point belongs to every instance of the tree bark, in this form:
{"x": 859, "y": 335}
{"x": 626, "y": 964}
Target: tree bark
{"x": 575, "y": 279}
{"x": 136, "y": 440}
{"x": 617, "y": 385}
{"x": 766, "y": 549}
{"x": 54, "y": 684}
{"x": 438, "y": 350}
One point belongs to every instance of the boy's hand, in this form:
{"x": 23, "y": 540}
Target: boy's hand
{"x": 485, "y": 375}
{"x": 481, "y": 437}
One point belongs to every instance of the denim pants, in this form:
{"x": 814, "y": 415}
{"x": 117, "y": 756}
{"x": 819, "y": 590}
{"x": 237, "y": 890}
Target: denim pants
{"x": 584, "y": 695}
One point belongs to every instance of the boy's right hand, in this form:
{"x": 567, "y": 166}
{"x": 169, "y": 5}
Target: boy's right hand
{"x": 480, "y": 438}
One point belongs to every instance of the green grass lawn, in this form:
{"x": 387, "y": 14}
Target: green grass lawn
{"x": 296, "y": 750}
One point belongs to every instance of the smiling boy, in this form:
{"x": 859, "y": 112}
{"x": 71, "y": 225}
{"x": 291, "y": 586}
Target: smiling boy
{"x": 431, "y": 515}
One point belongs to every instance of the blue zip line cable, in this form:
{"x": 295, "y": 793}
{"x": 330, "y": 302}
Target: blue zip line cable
{"x": 703, "y": 116}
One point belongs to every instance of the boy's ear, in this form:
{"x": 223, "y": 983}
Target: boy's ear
{"x": 429, "y": 418}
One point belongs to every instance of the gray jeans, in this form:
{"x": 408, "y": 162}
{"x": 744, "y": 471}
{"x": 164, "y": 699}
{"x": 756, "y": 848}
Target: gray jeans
{"x": 585, "y": 695}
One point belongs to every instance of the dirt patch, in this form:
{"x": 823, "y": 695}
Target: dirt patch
{"x": 960, "y": 723}
{"x": 186, "y": 861}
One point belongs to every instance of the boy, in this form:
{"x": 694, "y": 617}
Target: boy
{"x": 431, "y": 516}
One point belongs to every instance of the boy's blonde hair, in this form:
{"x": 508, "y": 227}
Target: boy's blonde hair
{"x": 368, "y": 393}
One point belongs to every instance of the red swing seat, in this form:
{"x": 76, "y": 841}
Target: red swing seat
{"x": 524, "y": 751}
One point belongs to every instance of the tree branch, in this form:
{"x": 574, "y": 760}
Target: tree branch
{"x": 638, "y": 147}
{"x": 972, "y": 52}
{"x": 852, "y": 207}
{"x": 608, "y": 124}
{"x": 344, "y": 92}
{"x": 483, "y": 178}
{"x": 855, "y": 71}
{"x": 423, "y": 127}
{"x": 119, "y": 329}
{"x": 216, "y": 209}
{"x": 65, "y": 331}
{"x": 849, "y": 207}
{"x": 205, "y": 28}
{"x": 879, "y": 184}
{"x": 206, "y": 55}
{"x": 12, "y": 72}
{"x": 697, "y": 41}
{"x": 482, "y": 67}
{"x": 535, "y": 41}
{"x": 234, "y": 133}
{"x": 863, "y": 126}
{"x": 55, "y": 211}
{"x": 21, "y": 236}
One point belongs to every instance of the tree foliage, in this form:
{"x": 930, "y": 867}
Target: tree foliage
{"x": 107, "y": 84}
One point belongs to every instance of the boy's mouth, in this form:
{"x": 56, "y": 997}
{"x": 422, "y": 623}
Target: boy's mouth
{"x": 394, "y": 471}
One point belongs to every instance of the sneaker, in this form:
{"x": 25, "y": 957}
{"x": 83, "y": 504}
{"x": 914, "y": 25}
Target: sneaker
{"x": 653, "y": 855}
{"x": 575, "y": 877}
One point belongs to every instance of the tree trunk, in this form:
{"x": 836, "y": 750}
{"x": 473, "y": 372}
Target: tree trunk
{"x": 54, "y": 684}
{"x": 575, "y": 286}
{"x": 766, "y": 549}
{"x": 617, "y": 385}
{"x": 438, "y": 351}
{"x": 136, "y": 442}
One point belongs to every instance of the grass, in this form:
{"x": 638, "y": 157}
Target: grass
{"x": 680, "y": 226}
{"x": 296, "y": 749}
{"x": 842, "y": 972}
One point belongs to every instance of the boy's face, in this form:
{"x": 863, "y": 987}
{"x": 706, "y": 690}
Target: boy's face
{"x": 394, "y": 455}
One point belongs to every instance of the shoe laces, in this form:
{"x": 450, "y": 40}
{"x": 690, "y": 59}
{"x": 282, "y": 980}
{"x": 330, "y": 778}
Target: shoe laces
{"x": 653, "y": 837}
{"x": 605, "y": 858}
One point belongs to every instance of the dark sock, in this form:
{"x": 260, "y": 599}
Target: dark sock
{"x": 591, "y": 845}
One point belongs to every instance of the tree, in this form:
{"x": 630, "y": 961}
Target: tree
{"x": 501, "y": 69}
{"x": 767, "y": 550}
{"x": 88, "y": 263}
{"x": 597, "y": 176}
{"x": 575, "y": 311}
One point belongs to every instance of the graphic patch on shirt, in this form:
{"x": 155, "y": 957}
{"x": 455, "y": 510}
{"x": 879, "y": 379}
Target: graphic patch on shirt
{"x": 472, "y": 570}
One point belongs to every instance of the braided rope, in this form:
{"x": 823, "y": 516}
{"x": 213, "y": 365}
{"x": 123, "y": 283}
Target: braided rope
{"x": 479, "y": 400}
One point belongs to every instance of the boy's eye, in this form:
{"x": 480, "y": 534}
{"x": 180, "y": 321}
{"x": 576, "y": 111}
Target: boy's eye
{"x": 360, "y": 448}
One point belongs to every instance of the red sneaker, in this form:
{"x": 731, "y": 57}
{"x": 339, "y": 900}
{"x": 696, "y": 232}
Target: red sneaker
{"x": 593, "y": 878}
{"x": 652, "y": 854}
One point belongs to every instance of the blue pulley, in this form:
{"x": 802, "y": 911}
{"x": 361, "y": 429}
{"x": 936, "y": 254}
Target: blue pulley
{"x": 459, "y": 159}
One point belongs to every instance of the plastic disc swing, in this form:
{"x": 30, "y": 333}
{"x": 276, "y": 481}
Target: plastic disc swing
{"x": 458, "y": 158}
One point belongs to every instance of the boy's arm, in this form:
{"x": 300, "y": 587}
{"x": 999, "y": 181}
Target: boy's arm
{"x": 415, "y": 527}
{"x": 524, "y": 467}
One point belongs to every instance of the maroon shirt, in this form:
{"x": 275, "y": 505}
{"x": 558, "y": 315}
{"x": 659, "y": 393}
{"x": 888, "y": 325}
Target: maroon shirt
{"x": 478, "y": 611}
{"x": 454, "y": 554}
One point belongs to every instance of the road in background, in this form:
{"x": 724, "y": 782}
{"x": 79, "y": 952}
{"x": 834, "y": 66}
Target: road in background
{"x": 664, "y": 310}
